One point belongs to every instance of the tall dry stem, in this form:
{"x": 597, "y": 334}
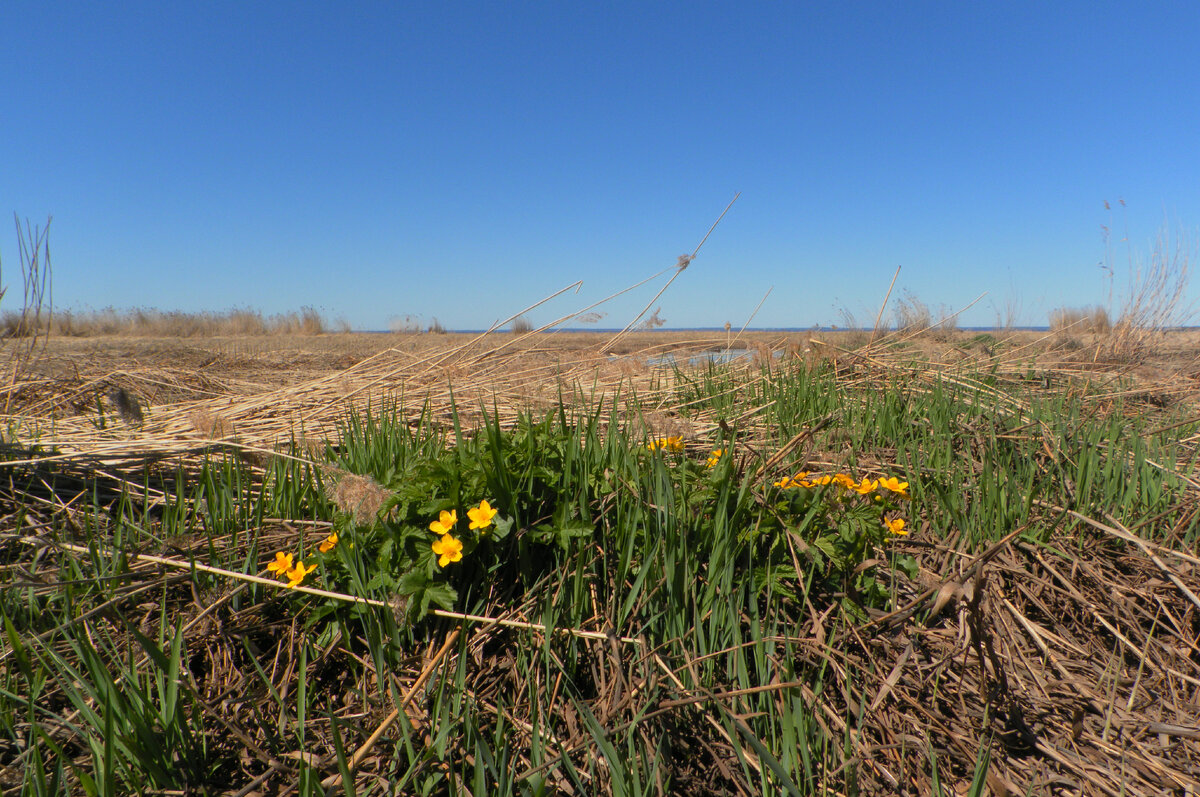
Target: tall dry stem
{"x": 27, "y": 330}
{"x": 1155, "y": 298}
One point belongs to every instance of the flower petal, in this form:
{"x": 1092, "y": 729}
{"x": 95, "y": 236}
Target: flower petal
{"x": 282, "y": 564}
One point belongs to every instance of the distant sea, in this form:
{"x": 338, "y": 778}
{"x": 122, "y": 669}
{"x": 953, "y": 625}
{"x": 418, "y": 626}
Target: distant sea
{"x": 712, "y": 329}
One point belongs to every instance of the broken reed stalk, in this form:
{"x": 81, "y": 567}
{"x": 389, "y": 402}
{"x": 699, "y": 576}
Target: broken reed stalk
{"x": 324, "y": 593}
{"x": 680, "y": 267}
{"x": 356, "y": 760}
{"x": 882, "y": 307}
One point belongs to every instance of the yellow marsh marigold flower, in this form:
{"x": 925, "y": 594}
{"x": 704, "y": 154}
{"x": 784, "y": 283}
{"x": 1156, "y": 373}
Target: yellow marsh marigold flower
{"x": 327, "y": 545}
{"x": 445, "y": 522}
{"x": 845, "y": 481}
{"x": 672, "y": 443}
{"x": 895, "y": 485}
{"x": 821, "y": 481}
{"x": 715, "y": 457}
{"x": 896, "y": 527}
{"x": 282, "y": 564}
{"x": 448, "y": 550}
{"x": 801, "y": 480}
{"x": 865, "y": 487}
{"x": 297, "y": 573}
{"x": 481, "y": 516}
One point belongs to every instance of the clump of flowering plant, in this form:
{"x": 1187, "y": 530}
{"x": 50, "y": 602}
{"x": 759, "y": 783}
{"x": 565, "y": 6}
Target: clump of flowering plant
{"x": 847, "y": 523}
{"x": 418, "y": 544}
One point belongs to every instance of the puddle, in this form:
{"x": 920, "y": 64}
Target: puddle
{"x": 721, "y": 357}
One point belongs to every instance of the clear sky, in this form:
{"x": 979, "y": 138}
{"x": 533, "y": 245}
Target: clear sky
{"x": 463, "y": 160}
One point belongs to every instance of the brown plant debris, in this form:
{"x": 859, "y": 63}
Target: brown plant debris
{"x": 361, "y": 496}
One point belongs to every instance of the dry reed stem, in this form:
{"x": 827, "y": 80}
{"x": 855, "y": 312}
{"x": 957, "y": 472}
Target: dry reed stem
{"x": 680, "y": 267}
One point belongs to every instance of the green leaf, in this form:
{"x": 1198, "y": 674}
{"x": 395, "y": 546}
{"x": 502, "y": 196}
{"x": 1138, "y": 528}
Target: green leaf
{"x": 825, "y": 544}
{"x": 503, "y": 525}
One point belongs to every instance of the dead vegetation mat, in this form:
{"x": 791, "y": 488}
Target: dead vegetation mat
{"x": 1066, "y": 668}
{"x": 1074, "y": 669}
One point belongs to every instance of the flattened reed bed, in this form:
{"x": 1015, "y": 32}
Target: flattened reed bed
{"x": 466, "y": 377}
{"x": 1074, "y": 670}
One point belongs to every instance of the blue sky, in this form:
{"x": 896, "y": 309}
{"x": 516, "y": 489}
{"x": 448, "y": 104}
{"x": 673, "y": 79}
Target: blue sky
{"x": 464, "y": 160}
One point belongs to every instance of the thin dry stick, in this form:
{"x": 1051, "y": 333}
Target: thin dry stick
{"x": 791, "y": 446}
{"x": 882, "y": 307}
{"x": 577, "y": 313}
{"x": 761, "y": 302}
{"x": 366, "y": 747}
{"x": 684, "y": 262}
{"x": 119, "y": 449}
{"x": 577, "y": 284}
{"x": 323, "y": 593}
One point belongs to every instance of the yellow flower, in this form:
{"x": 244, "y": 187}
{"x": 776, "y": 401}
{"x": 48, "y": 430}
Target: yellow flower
{"x": 448, "y": 550}
{"x": 297, "y": 573}
{"x": 327, "y": 545}
{"x": 445, "y": 522}
{"x": 895, "y": 485}
{"x": 865, "y": 487}
{"x": 672, "y": 443}
{"x": 821, "y": 481}
{"x": 896, "y": 527}
{"x": 481, "y": 516}
{"x": 715, "y": 457}
{"x": 282, "y": 564}
{"x": 800, "y": 480}
{"x": 845, "y": 481}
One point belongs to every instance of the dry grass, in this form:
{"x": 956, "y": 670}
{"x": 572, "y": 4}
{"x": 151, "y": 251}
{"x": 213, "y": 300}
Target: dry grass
{"x": 1154, "y": 303}
{"x": 27, "y": 326}
{"x": 653, "y": 321}
{"x": 913, "y": 317}
{"x": 1079, "y": 320}
{"x": 361, "y": 496}
{"x": 146, "y": 322}
{"x": 1073, "y": 666}
{"x": 1028, "y": 652}
{"x": 1155, "y": 299}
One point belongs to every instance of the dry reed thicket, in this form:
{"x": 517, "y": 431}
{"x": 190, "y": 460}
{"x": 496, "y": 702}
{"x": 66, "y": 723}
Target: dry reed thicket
{"x": 143, "y": 322}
